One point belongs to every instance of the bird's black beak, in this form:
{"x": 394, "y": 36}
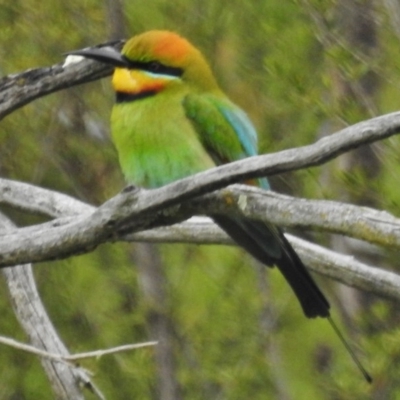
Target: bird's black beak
{"x": 107, "y": 55}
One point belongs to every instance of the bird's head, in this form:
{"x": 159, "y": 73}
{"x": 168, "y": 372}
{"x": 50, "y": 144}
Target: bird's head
{"x": 154, "y": 61}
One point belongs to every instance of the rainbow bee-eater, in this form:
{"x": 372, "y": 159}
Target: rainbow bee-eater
{"x": 172, "y": 120}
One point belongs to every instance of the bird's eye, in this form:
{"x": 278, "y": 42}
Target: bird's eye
{"x": 154, "y": 66}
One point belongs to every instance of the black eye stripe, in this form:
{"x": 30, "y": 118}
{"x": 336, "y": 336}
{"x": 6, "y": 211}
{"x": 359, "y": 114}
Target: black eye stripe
{"x": 122, "y": 97}
{"x": 154, "y": 67}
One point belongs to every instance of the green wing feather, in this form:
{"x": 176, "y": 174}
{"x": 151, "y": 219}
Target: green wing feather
{"x": 214, "y": 131}
{"x": 224, "y": 129}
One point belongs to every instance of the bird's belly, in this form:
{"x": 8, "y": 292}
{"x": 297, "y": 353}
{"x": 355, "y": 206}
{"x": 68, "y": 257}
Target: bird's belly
{"x": 156, "y": 145}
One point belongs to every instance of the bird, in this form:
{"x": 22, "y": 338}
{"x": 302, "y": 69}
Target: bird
{"x": 171, "y": 119}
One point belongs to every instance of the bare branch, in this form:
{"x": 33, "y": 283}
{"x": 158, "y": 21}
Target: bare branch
{"x": 19, "y": 89}
{"x": 374, "y": 226}
{"x": 257, "y": 204}
{"x": 34, "y": 320}
{"x": 347, "y": 269}
{"x": 146, "y": 209}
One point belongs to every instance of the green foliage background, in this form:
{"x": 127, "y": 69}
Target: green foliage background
{"x": 270, "y": 59}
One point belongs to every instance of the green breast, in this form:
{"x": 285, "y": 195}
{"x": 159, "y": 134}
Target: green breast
{"x": 156, "y": 143}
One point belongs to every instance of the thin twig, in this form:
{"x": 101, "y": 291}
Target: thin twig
{"x": 74, "y": 357}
